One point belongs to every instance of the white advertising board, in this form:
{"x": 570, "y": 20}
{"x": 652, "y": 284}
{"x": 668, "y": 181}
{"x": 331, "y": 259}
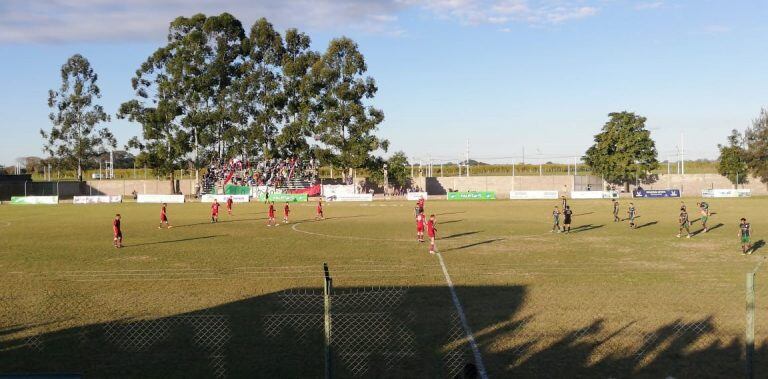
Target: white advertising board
{"x": 97, "y": 199}
{"x": 208, "y": 198}
{"x": 413, "y": 196}
{"x": 726, "y": 193}
{"x": 148, "y": 198}
{"x": 530, "y": 195}
{"x": 337, "y": 189}
{"x": 34, "y": 199}
{"x": 350, "y": 197}
{"x": 594, "y": 195}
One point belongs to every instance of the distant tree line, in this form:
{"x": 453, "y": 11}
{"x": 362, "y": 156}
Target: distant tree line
{"x": 215, "y": 91}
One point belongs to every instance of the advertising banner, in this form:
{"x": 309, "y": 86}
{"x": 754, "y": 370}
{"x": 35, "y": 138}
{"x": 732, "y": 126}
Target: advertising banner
{"x": 223, "y": 198}
{"x": 350, "y": 197}
{"x": 471, "y": 196}
{"x": 530, "y": 195}
{"x": 230, "y": 189}
{"x": 337, "y": 189}
{"x": 34, "y": 199}
{"x": 726, "y": 193}
{"x": 97, "y": 199}
{"x": 284, "y": 197}
{"x": 594, "y": 195}
{"x": 655, "y": 194}
{"x": 144, "y": 198}
{"x": 413, "y": 196}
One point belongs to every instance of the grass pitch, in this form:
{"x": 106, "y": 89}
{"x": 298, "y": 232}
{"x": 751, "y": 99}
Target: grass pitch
{"x": 240, "y": 299}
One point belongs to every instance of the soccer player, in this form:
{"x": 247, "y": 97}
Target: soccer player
{"x": 745, "y": 232}
{"x": 567, "y": 218}
{"x": 431, "y": 232}
{"x": 684, "y": 223}
{"x": 164, "y": 217}
{"x": 271, "y": 219}
{"x": 215, "y": 211}
{"x": 420, "y": 227}
{"x": 704, "y": 210}
{"x": 420, "y": 204}
{"x": 117, "y": 239}
{"x": 319, "y": 215}
{"x": 565, "y": 202}
{"x": 286, "y": 212}
{"x": 229, "y": 205}
{"x": 632, "y": 212}
{"x": 615, "y": 210}
{"x": 556, "y": 220}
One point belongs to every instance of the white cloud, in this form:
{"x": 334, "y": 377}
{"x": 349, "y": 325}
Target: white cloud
{"x": 56, "y": 21}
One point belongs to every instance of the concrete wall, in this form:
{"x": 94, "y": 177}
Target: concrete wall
{"x": 691, "y": 184}
{"x": 68, "y": 189}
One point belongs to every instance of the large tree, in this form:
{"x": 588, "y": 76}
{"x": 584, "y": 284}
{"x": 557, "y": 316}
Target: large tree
{"x": 76, "y": 135}
{"x": 184, "y": 90}
{"x": 623, "y": 150}
{"x": 757, "y": 146}
{"x": 732, "y": 162}
{"x": 345, "y": 124}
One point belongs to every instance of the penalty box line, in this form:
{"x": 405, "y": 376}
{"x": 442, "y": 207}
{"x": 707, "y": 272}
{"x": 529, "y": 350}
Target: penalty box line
{"x": 464, "y": 324}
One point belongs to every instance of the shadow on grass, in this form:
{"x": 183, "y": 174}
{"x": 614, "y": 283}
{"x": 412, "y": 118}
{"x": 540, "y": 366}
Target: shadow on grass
{"x": 171, "y": 241}
{"x": 759, "y": 244}
{"x": 585, "y": 228}
{"x": 473, "y": 244}
{"x": 219, "y": 222}
{"x": 412, "y": 333}
{"x": 450, "y": 222}
{"x": 647, "y": 224}
{"x": 583, "y": 214}
{"x": 457, "y": 235}
{"x": 719, "y": 225}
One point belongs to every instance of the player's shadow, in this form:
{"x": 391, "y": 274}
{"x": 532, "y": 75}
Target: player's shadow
{"x": 376, "y": 332}
{"x": 457, "y": 235}
{"x": 758, "y": 245}
{"x": 585, "y": 228}
{"x": 473, "y": 244}
{"x": 583, "y": 214}
{"x": 219, "y": 222}
{"x": 647, "y": 224}
{"x": 719, "y": 225}
{"x": 450, "y": 222}
{"x": 170, "y": 241}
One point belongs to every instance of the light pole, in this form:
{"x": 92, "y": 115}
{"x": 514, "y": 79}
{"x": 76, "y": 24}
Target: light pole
{"x": 386, "y": 180}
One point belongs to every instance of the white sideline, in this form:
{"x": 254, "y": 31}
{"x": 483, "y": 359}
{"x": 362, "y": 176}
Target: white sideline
{"x": 464, "y": 323}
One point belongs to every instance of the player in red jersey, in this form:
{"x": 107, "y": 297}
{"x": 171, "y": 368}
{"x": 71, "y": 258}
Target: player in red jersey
{"x": 229, "y": 205}
{"x": 319, "y": 215}
{"x": 286, "y": 212}
{"x": 215, "y": 211}
{"x": 420, "y": 227}
{"x": 117, "y": 240}
{"x": 431, "y": 232}
{"x": 164, "y": 217}
{"x": 420, "y": 204}
{"x": 271, "y": 220}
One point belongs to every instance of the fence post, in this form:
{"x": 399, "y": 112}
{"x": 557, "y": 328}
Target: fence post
{"x": 750, "y": 332}
{"x": 327, "y": 288}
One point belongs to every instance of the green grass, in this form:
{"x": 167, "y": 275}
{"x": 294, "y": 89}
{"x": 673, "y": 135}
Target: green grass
{"x": 603, "y": 301}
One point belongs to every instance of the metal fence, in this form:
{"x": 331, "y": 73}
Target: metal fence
{"x": 157, "y": 323}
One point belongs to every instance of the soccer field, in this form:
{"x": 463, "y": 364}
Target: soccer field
{"x": 240, "y": 299}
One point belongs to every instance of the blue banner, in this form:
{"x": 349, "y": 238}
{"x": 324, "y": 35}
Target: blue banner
{"x": 640, "y": 192}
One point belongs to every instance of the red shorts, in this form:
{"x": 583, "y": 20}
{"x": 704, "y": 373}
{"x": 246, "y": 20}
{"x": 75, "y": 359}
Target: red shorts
{"x": 163, "y": 218}
{"x": 419, "y": 228}
{"x": 118, "y": 234}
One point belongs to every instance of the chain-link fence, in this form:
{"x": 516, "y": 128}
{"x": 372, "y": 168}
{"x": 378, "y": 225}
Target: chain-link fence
{"x": 200, "y": 323}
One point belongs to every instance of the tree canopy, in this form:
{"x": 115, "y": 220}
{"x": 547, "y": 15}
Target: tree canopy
{"x": 757, "y": 146}
{"x": 76, "y": 134}
{"x": 623, "y": 150}
{"x": 732, "y": 162}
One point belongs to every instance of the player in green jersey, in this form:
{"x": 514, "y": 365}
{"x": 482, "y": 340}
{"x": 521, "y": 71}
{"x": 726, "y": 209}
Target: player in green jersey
{"x": 685, "y": 223}
{"x": 745, "y": 233}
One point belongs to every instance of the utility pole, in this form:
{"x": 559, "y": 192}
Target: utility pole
{"x": 467, "y": 156}
{"x": 682, "y": 154}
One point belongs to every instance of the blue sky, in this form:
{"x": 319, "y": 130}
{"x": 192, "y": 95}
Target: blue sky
{"x": 507, "y": 74}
